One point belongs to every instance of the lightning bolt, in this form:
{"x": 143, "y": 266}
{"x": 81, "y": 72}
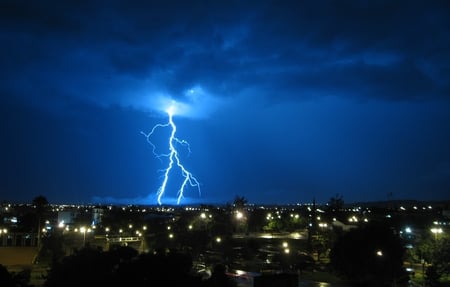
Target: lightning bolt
{"x": 173, "y": 157}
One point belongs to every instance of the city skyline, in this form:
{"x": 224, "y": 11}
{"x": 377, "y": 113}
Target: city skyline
{"x": 280, "y": 101}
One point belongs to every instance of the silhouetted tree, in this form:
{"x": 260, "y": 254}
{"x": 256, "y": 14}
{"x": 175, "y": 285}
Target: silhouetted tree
{"x": 437, "y": 253}
{"x": 257, "y": 220}
{"x": 442, "y": 256}
{"x": 335, "y": 204}
{"x": 22, "y": 278}
{"x": 52, "y": 249}
{"x": 19, "y": 279}
{"x": 86, "y": 267}
{"x": 371, "y": 255}
{"x": 157, "y": 269}
{"x": 6, "y": 279}
{"x": 28, "y": 222}
{"x": 239, "y": 201}
{"x": 432, "y": 276}
{"x": 122, "y": 266}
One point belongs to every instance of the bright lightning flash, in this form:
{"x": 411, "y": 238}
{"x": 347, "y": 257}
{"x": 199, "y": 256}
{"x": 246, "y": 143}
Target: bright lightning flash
{"x": 173, "y": 158}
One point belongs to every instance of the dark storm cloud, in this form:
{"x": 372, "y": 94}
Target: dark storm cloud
{"x": 388, "y": 49}
{"x": 346, "y": 48}
{"x": 282, "y": 76}
{"x": 92, "y": 45}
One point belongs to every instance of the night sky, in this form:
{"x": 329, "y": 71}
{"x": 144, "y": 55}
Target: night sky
{"x": 281, "y": 101}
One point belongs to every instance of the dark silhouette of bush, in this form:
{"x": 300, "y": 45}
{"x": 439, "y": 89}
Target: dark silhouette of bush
{"x": 371, "y": 255}
{"x": 19, "y": 279}
{"x": 6, "y": 279}
{"x": 157, "y": 269}
{"x": 87, "y": 267}
{"x": 123, "y": 266}
{"x": 432, "y": 277}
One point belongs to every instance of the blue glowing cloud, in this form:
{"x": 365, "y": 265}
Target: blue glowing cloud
{"x": 195, "y": 103}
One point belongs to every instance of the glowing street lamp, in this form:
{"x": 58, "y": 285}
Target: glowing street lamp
{"x": 84, "y": 230}
{"x": 323, "y": 225}
{"x": 206, "y": 219}
{"x": 241, "y": 220}
{"x": 436, "y": 231}
{"x": 286, "y": 249}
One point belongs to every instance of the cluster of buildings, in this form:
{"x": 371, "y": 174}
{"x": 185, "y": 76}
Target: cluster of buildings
{"x": 19, "y": 224}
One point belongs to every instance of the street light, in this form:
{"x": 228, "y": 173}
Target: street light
{"x": 84, "y": 230}
{"x": 436, "y": 231}
{"x": 241, "y": 221}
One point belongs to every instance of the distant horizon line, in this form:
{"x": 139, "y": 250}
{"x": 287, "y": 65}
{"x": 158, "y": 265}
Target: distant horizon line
{"x": 377, "y": 202}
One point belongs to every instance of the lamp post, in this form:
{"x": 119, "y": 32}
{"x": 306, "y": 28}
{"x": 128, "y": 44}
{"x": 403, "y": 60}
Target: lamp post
{"x": 436, "y": 231}
{"x": 2, "y": 231}
{"x": 241, "y": 221}
{"x": 83, "y": 230}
